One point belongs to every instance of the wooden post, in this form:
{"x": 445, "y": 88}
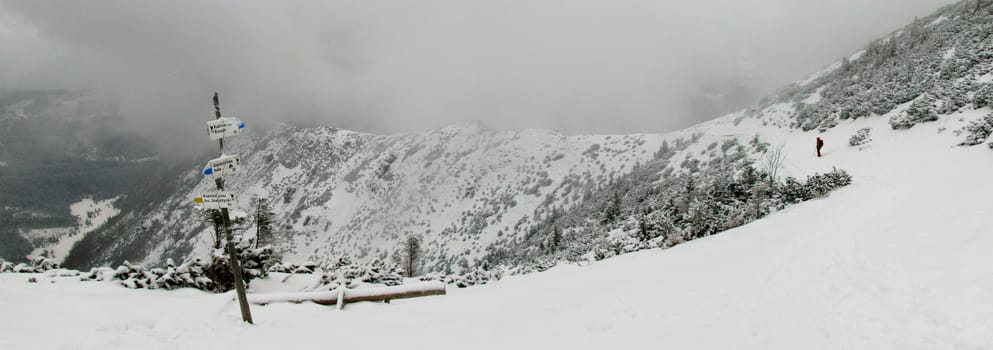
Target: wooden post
{"x": 239, "y": 284}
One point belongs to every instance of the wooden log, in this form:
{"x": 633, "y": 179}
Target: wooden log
{"x": 353, "y": 295}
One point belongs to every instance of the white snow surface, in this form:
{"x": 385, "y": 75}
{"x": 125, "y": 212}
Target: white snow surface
{"x": 948, "y": 54}
{"x": 936, "y": 21}
{"x": 898, "y": 260}
{"x": 814, "y": 96}
{"x": 985, "y": 78}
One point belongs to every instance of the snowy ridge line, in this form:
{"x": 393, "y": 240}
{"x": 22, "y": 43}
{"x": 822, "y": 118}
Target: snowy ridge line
{"x": 353, "y": 295}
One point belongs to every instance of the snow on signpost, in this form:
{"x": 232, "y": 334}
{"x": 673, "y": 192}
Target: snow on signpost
{"x": 223, "y": 127}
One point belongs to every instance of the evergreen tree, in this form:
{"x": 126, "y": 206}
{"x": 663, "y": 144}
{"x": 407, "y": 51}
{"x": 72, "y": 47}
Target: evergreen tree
{"x": 613, "y": 209}
{"x": 556, "y": 238}
{"x": 411, "y": 255}
{"x": 263, "y": 223}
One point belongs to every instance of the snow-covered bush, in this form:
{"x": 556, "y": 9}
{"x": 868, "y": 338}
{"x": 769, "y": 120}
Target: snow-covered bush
{"x": 305, "y": 268}
{"x": 861, "y": 137}
{"x": 472, "y": 278}
{"x": 475, "y": 277}
{"x": 344, "y": 272}
{"x": 38, "y": 265}
{"x": 920, "y": 111}
{"x": 820, "y": 185}
{"x": 6, "y": 266}
{"x": 214, "y": 276}
{"x": 792, "y": 191}
{"x": 23, "y": 268}
{"x": 188, "y": 275}
{"x": 983, "y": 96}
{"x": 255, "y": 263}
{"x": 98, "y": 274}
{"x": 978, "y": 131}
{"x": 817, "y": 185}
{"x": 42, "y": 264}
{"x": 61, "y": 273}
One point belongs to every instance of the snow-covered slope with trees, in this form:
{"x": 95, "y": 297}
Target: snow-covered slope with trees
{"x": 337, "y": 192}
{"x": 897, "y": 260}
{"x": 480, "y": 197}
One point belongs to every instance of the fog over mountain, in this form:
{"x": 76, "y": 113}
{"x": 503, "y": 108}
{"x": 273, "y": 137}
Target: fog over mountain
{"x": 575, "y": 66}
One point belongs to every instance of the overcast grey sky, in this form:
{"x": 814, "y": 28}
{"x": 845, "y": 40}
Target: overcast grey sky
{"x": 578, "y": 66}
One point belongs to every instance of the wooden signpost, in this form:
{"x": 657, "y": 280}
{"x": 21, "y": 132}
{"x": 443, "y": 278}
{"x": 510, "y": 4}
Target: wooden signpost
{"x": 218, "y": 129}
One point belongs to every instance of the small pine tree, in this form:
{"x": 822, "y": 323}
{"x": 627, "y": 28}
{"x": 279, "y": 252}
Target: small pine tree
{"x": 411, "y": 255}
{"x": 613, "y": 209}
{"x": 556, "y": 238}
{"x": 263, "y": 223}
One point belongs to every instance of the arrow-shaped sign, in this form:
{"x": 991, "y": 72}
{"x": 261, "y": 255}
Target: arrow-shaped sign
{"x": 224, "y": 127}
{"x": 223, "y": 165}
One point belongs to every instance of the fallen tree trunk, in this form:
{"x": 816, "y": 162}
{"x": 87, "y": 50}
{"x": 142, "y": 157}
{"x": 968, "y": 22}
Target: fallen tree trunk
{"x": 331, "y": 297}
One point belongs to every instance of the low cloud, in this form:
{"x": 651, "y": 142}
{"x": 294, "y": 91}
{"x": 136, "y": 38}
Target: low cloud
{"x": 576, "y": 66}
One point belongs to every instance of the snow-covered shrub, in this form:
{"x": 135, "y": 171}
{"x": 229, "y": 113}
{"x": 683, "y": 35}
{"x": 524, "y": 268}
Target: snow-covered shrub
{"x": 920, "y": 111}
{"x": 344, "y": 272}
{"x": 792, "y": 191}
{"x": 61, "y": 273}
{"x": 255, "y": 263}
{"x": 98, "y": 274}
{"x": 536, "y": 264}
{"x": 978, "y": 131}
{"x": 6, "y": 266}
{"x": 820, "y": 185}
{"x": 817, "y": 185}
{"x": 23, "y": 268}
{"x": 42, "y": 264}
{"x": 305, "y": 268}
{"x": 861, "y": 137}
{"x": 983, "y": 96}
{"x": 38, "y": 265}
{"x": 472, "y": 278}
{"x": 188, "y": 275}
{"x": 134, "y": 276}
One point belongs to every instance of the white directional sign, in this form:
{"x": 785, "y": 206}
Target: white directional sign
{"x": 223, "y": 127}
{"x": 216, "y": 200}
{"x": 223, "y": 166}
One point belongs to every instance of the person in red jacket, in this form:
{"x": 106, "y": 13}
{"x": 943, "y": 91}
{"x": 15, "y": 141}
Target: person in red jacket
{"x": 820, "y": 144}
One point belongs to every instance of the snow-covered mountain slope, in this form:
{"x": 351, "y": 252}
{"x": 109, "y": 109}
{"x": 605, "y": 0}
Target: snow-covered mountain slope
{"x": 475, "y": 194}
{"x": 898, "y": 260}
{"x": 339, "y": 192}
